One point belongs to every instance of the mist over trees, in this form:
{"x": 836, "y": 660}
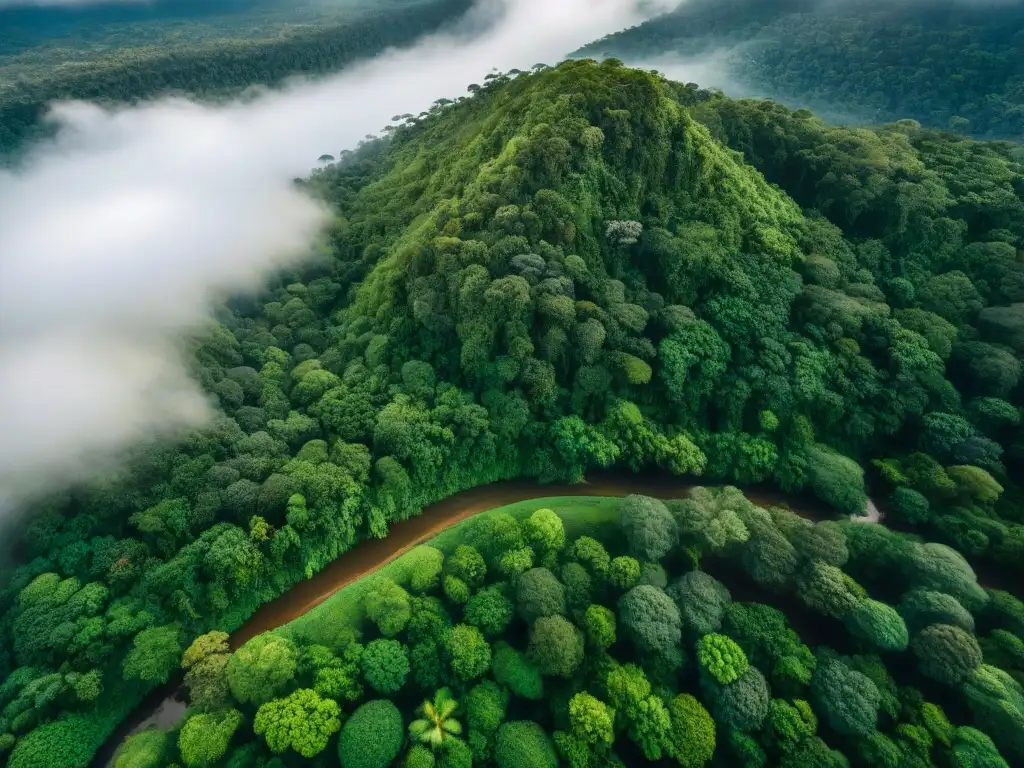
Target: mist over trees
{"x": 580, "y": 267}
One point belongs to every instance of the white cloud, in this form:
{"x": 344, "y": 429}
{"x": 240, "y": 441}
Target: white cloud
{"x": 118, "y": 237}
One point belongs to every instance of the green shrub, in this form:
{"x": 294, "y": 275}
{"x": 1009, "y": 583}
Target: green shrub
{"x": 385, "y": 665}
{"x": 524, "y": 744}
{"x": 372, "y": 737}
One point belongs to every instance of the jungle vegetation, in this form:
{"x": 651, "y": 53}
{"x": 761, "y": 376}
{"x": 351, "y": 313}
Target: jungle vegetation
{"x": 584, "y": 266}
{"x": 947, "y": 64}
{"x": 214, "y": 61}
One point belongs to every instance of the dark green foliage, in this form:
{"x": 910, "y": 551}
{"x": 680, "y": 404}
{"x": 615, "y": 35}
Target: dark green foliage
{"x": 372, "y": 737}
{"x": 556, "y": 646}
{"x": 576, "y": 269}
{"x": 878, "y": 625}
{"x": 847, "y": 699}
{"x": 920, "y": 607}
{"x": 648, "y": 527}
{"x": 539, "y": 593}
{"x": 702, "y": 601}
{"x": 945, "y": 653}
{"x": 743, "y": 703}
{"x": 650, "y": 618}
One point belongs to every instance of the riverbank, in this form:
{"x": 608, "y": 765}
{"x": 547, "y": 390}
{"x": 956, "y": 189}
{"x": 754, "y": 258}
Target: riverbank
{"x": 372, "y": 554}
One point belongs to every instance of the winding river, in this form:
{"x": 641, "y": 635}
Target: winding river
{"x": 166, "y": 706}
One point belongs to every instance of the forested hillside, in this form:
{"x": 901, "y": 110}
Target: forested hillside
{"x": 214, "y": 61}
{"x": 586, "y": 266}
{"x": 947, "y": 64}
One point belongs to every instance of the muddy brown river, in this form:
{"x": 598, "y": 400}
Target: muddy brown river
{"x": 165, "y": 706}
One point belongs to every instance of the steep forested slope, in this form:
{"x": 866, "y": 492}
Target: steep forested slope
{"x": 945, "y": 64}
{"x": 570, "y": 269}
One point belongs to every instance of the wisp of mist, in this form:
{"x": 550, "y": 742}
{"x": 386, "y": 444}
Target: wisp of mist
{"x": 119, "y": 237}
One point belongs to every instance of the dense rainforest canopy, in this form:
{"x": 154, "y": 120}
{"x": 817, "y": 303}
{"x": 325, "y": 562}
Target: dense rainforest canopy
{"x": 581, "y": 267}
{"x": 948, "y": 64}
{"x": 223, "y": 65}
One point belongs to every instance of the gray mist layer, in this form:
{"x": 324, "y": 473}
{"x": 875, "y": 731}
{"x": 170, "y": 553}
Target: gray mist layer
{"x": 119, "y": 237}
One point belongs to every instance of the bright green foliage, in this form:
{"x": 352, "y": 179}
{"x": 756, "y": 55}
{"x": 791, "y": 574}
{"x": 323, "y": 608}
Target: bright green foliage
{"x": 648, "y": 527}
{"x": 141, "y": 750}
{"x": 456, "y": 590}
{"x": 764, "y": 635}
{"x": 642, "y": 714}
{"x": 388, "y": 607}
{"x": 691, "y": 739}
{"x": 385, "y": 665}
{"x": 436, "y": 723}
{"x": 372, "y": 737}
{"x": 702, "y": 601}
{"x": 650, "y": 618}
{"x": 485, "y": 706}
{"x": 946, "y": 654}
{"x": 302, "y": 721}
{"x": 492, "y": 535}
{"x": 590, "y": 719}
{"x": 204, "y": 738}
{"x": 419, "y": 757}
{"x": 455, "y": 754}
{"x": 516, "y": 561}
{"x": 426, "y": 564}
{"x": 624, "y": 572}
{"x": 206, "y": 678}
{"x": 467, "y": 564}
{"x": 544, "y": 531}
{"x": 524, "y": 744}
{"x": 556, "y": 646}
{"x": 599, "y": 627}
{"x": 974, "y": 749}
{"x": 997, "y": 702}
{"x": 468, "y": 652}
{"x": 934, "y": 719}
{"x": 878, "y": 625}
{"x": 261, "y": 668}
{"x": 515, "y": 671}
{"x": 721, "y": 658}
{"x": 788, "y": 724}
{"x": 489, "y": 610}
{"x": 591, "y": 554}
{"x": 154, "y": 655}
{"x": 848, "y": 700}
{"x": 539, "y": 593}
{"x": 576, "y": 268}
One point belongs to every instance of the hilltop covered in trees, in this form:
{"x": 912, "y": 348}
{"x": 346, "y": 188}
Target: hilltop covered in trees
{"x": 945, "y": 63}
{"x": 569, "y": 269}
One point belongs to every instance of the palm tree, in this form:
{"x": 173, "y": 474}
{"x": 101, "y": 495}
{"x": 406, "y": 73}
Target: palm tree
{"x": 437, "y": 723}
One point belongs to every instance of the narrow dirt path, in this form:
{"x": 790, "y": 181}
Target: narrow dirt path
{"x": 369, "y": 555}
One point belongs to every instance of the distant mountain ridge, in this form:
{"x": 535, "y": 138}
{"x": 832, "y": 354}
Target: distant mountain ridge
{"x": 946, "y": 64}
